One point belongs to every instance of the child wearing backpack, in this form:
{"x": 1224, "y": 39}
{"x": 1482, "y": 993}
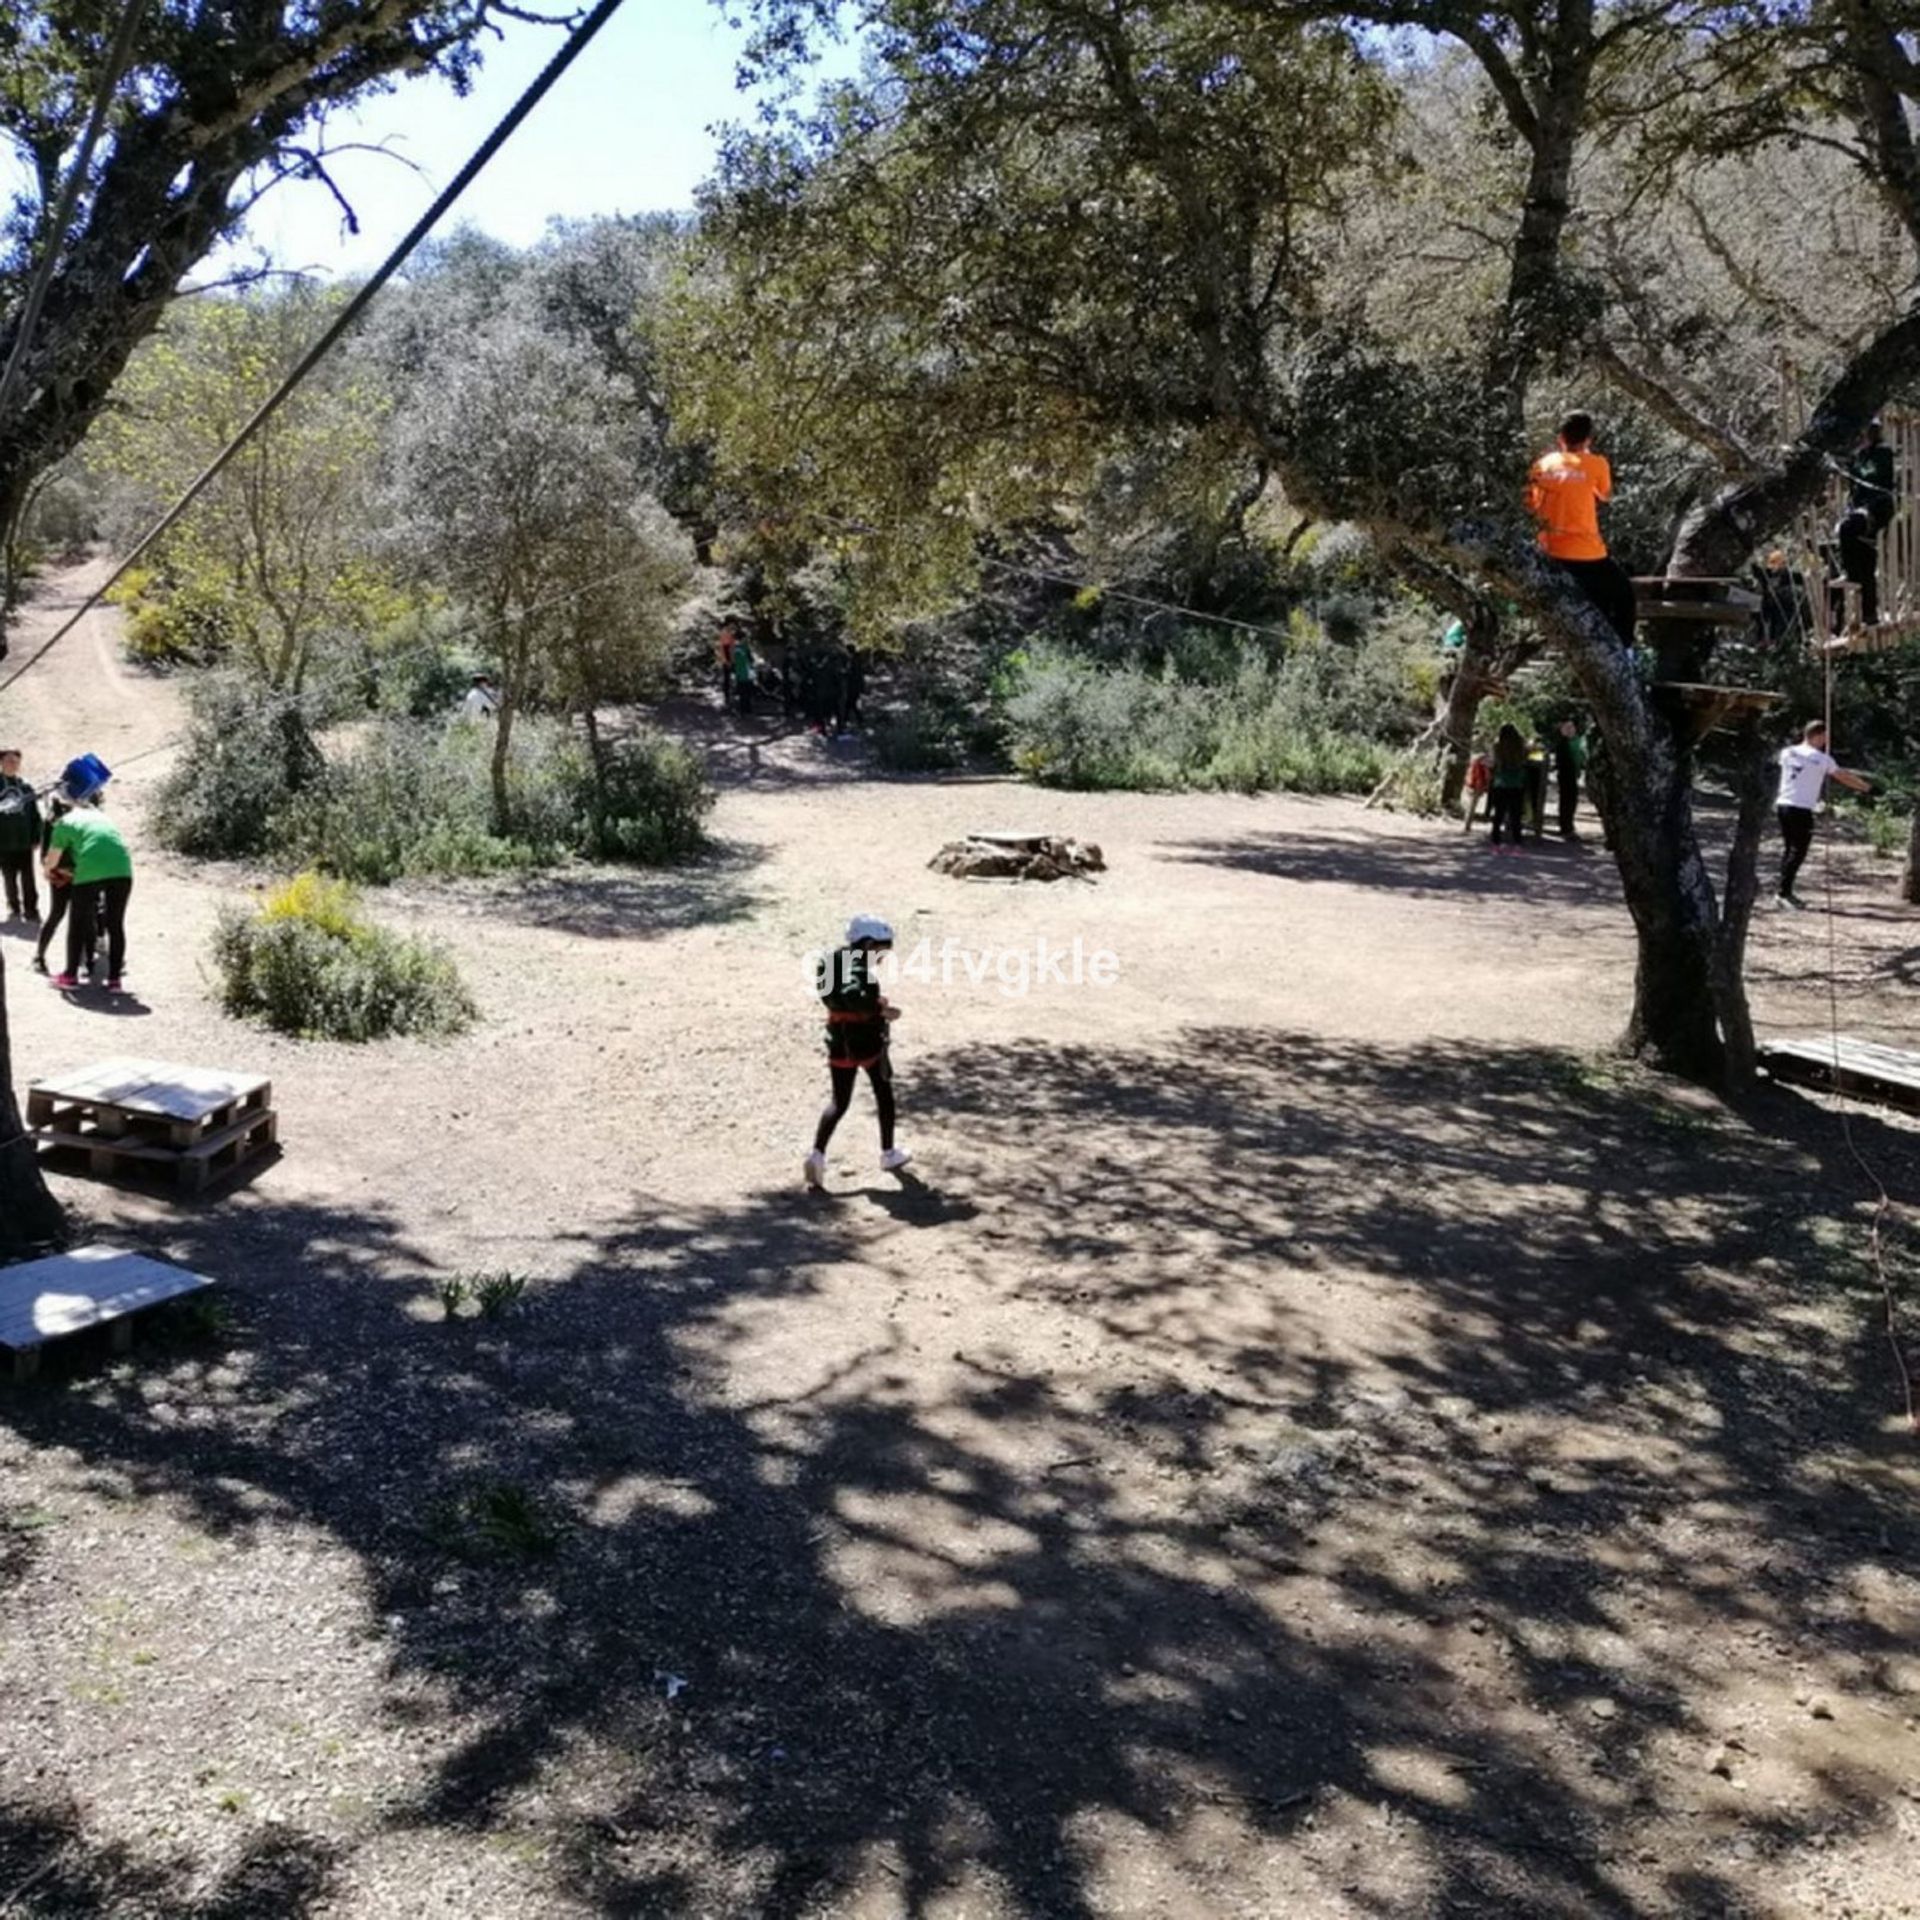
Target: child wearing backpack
{"x": 858, "y": 1018}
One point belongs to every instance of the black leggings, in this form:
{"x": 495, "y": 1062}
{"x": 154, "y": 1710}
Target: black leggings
{"x": 100, "y": 904}
{"x": 880, "y": 1079}
{"x": 1796, "y": 829}
{"x": 1508, "y": 806}
{"x": 1610, "y": 587}
{"x": 56, "y": 912}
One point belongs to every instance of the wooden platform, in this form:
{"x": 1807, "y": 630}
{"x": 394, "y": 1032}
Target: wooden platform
{"x": 127, "y": 1115}
{"x": 1711, "y": 707}
{"x": 1859, "y": 1067}
{"x": 1721, "y": 603}
{"x": 44, "y": 1300}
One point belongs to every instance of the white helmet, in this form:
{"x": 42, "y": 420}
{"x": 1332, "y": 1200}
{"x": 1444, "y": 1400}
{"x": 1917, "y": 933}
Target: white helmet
{"x": 869, "y": 926}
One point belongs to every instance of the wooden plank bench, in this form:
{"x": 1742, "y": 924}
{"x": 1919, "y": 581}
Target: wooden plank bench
{"x": 46, "y": 1300}
{"x": 1859, "y": 1067}
{"x": 126, "y": 1114}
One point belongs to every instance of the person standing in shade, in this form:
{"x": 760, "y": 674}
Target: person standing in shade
{"x": 1871, "y": 499}
{"x": 102, "y": 883}
{"x": 745, "y": 670}
{"x": 19, "y": 838}
{"x": 1805, "y": 769}
{"x": 1508, "y": 795}
{"x": 1565, "y": 493}
{"x": 483, "y": 699}
{"x": 1569, "y": 762}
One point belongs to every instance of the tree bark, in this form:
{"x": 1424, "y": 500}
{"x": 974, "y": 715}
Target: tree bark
{"x": 30, "y": 1217}
{"x": 1910, "y": 880}
{"x": 1472, "y": 681}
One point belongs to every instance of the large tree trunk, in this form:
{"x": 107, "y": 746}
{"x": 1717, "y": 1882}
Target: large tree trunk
{"x": 1474, "y": 678}
{"x": 30, "y": 1217}
{"x": 1688, "y": 1000}
{"x": 1910, "y": 880}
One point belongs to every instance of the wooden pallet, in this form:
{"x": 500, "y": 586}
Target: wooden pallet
{"x": 123, "y": 1116}
{"x": 47, "y": 1300}
{"x": 1859, "y": 1067}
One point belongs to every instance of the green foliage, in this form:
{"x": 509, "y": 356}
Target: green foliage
{"x": 413, "y": 797}
{"x": 1302, "y": 724}
{"x": 645, "y": 800}
{"x": 275, "y": 563}
{"x": 451, "y": 1289}
{"x": 309, "y": 965}
{"x": 247, "y": 758}
{"x": 497, "y": 1294}
{"x": 492, "y": 1520}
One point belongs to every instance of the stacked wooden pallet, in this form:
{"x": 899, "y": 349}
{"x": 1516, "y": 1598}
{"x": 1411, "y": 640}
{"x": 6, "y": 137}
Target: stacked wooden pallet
{"x": 47, "y": 1300}
{"x": 132, "y": 1116}
{"x": 1846, "y": 1065}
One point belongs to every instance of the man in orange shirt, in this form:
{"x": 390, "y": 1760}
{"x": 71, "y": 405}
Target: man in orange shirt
{"x": 1565, "y": 493}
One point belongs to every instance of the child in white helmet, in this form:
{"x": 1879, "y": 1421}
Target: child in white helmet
{"x": 858, "y": 1018}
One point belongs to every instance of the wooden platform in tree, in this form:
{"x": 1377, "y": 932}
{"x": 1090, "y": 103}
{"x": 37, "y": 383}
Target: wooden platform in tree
{"x": 1718, "y": 706}
{"x": 1714, "y": 602}
{"x": 126, "y": 1115}
{"x": 1883, "y": 638}
{"x": 1859, "y": 1067}
{"x": 46, "y": 1300}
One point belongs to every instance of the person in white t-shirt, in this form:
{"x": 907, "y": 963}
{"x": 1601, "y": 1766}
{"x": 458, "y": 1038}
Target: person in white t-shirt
{"x": 483, "y": 699}
{"x": 1805, "y": 769}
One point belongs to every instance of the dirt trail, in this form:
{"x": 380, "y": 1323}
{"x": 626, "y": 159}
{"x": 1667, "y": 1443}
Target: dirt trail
{"x": 1309, "y": 1439}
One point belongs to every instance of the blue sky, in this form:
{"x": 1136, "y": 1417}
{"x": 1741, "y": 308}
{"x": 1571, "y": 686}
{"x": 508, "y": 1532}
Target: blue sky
{"x": 629, "y": 129}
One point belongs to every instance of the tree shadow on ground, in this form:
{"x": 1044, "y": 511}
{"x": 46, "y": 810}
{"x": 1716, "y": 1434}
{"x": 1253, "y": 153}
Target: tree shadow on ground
{"x": 622, "y": 903}
{"x": 50, "y": 1866}
{"x": 1444, "y": 1431}
{"x": 1442, "y": 863}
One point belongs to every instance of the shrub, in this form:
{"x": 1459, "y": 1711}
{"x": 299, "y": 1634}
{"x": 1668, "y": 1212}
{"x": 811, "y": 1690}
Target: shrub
{"x": 1274, "y": 726}
{"x": 248, "y": 755}
{"x": 414, "y": 797}
{"x": 308, "y": 964}
{"x": 648, "y": 802}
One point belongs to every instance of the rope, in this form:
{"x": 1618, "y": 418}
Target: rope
{"x": 1883, "y": 1203}
{"x": 576, "y": 44}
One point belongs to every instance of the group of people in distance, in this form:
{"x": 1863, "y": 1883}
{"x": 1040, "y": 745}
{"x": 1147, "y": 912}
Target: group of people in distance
{"x": 823, "y": 685}
{"x": 80, "y": 852}
{"x": 1514, "y": 778}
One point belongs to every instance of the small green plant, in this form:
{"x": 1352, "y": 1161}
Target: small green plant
{"x": 308, "y": 964}
{"x": 451, "y": 1291}
{"x": 200, "y": 1317}
{"x": 496, "y": 1294}
{"x": 493, "y": 1520}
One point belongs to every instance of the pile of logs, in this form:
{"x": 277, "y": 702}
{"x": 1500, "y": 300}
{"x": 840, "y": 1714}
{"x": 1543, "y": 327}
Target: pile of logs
{"x": 1017, "y": 856}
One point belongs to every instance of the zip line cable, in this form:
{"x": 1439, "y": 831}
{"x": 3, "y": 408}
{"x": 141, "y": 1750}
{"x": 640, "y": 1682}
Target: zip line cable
{"x": 1883, "y": 1201}
{"x": 118, "y": 56}
{"x": 576, "y": 45}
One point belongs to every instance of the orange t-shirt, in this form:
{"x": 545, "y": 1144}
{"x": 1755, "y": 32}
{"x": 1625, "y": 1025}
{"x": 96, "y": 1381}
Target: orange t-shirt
{"x": 1564, "y": 493}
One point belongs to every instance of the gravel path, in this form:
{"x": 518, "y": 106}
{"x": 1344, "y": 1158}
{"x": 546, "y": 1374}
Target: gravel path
{"x": 1310, "y": 1437}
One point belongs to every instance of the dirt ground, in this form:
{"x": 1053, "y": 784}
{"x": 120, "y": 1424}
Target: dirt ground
{"x": 1309, "y": 1437}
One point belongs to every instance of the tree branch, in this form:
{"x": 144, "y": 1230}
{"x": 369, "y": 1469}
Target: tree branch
{"x": 1738, "y": 461}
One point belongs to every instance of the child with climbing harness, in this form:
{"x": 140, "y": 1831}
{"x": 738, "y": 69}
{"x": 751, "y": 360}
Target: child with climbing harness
{"x": 1805, "y": 769}
{"x": 1511, "y": 775}
{"x": 1565, "y": 492}
{"x": 858, "y": 1018}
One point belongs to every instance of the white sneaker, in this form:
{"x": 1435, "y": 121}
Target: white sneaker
{"x": 894, "y": 1159}
{"x": 816, "y": 1168}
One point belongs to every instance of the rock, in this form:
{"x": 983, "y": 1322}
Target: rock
{"x": 1720, "y": 1758}
{"x": 1603, "y": 1709}
{"x": 1039, "y": 856}
{"x": 1821, "y": 1709}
